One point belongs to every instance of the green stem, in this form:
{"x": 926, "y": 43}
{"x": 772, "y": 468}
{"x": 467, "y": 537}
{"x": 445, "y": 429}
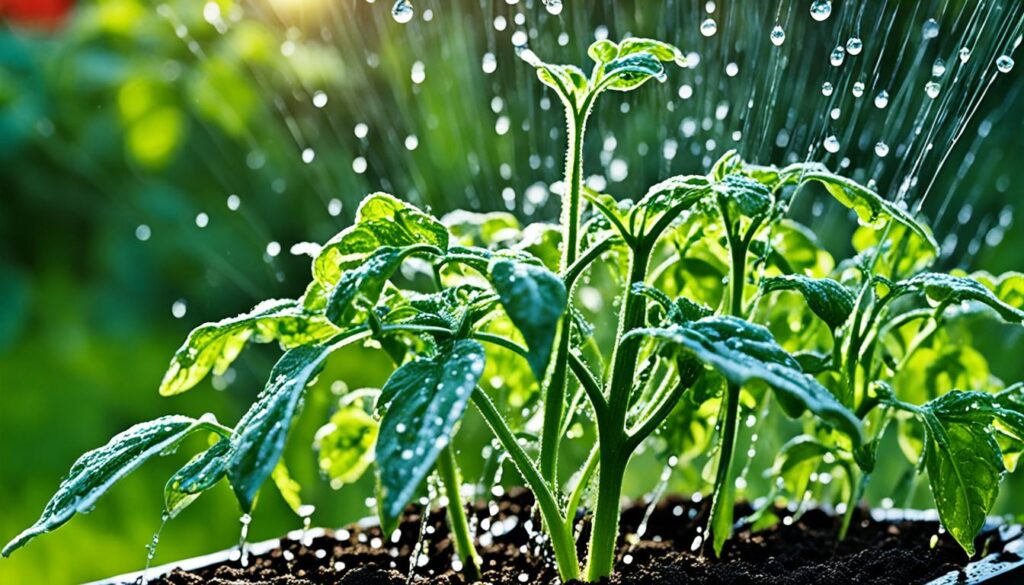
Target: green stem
{"x": 615, "y": 448}
{"x": 554, "y": 401}
{"x": 605, "y": 529}
{"x": 561, "y": 540}
{"x": 446, "y": 468}
{"x": 722, "y": 503}
{"x": 581, "y": 486}
{"x": 857, "y": 484}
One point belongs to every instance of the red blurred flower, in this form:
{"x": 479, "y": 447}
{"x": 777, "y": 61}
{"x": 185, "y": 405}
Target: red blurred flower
{"x": 45, "y": 13}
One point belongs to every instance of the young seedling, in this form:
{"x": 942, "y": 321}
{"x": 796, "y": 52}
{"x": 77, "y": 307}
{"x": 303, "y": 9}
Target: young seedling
{"x": 687, "y": 350}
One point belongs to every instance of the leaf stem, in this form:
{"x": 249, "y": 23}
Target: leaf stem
{"x": 722, "y": 503}
{"x": 561, "y": 540}
{"x": 615, "y": 452}
{"x": 581, "y": 486}
{"x": 554, "y": 400}
{"x": 449, "y": 473}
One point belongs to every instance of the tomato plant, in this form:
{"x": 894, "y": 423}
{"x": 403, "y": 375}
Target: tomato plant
{"x": 720, "y": 301}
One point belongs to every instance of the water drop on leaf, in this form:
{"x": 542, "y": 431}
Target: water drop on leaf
{"x": 1004, "y": 63}
{"x": 778, "y": 36}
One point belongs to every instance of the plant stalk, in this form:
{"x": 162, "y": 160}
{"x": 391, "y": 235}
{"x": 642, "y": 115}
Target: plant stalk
{"x": 457, "y": 523}
{"x": 611, "y": 427}
{"x": 561, "y": 540}
{"x": 554, "y": 402}
{"x": 722, "y": 503}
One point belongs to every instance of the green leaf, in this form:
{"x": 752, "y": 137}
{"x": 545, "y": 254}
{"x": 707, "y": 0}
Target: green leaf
{"x": 481, "y": 229}
{"x": 381, "y": 220}
{"x": 795, "y": 462}
{"x": 744, "y": 352}
{"x": 359, "y": 288}
{"x": 603, "y": 51}
{"x": 568, "y": 80}
{"x": 955, "y": 289}
{"x": 214, "y": 346}
{"x": 963, "y": 461}
{"x": 750, "y": 198}
{"x": 95, "y": 472}
{"x": 628, "y": 72}
{"x": 345, "y": 445}
{"x": 872, "y": 210}
{"x": 829, "y": 300}
{"x": 672, "y": 196}
{"x": 201, "y": 473}
{"x": 795, "y": 249}
{"x": 425, "y": 399}
{"x": 259, "y": 437}
{"x": 659, "y": 49}
{"x": 535, "y": 300}
{"x": 289, "y": 489}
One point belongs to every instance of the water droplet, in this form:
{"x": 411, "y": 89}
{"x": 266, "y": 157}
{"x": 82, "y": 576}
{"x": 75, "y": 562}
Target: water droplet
{"x": 1004, "y": 63}
{"x": 932, "y": 89}
{"x": 821, "y": 9}
{"x": 965, "y": 54}
{"x": 858, "y": 89}
{"x": 319, "y": 99}
{"x": 554, "y": 7}
{"x": 881, "y": 149}
{"x": 709, "y": 27}
{"x": 832, "y": 144}
{"x": 882, "y": 100}
{"x": 179, "y": 308}
{"x": 308, "y": 154}
{"x": 930, "y": 29}
{"x": 938, "y": 68}
{"x": 826, "y": 89}
{"x": 837, "y": 57}
{"x": 519, "y": 40}
{"x": 854, "y": 46}
{"x": 402, "y": 11}
{"x": 778, "y": 35}
{"x": 143, "y": 232}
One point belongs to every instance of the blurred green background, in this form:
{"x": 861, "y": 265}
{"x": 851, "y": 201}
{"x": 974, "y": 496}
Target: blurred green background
{"x": 158, "y": 162}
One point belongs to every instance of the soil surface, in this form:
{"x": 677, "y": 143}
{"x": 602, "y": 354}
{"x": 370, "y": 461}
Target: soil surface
{"x": 801, "y": 550}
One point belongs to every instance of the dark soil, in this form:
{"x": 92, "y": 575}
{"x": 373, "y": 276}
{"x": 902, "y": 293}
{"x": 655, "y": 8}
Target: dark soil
{"x": 805, "y": 551}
